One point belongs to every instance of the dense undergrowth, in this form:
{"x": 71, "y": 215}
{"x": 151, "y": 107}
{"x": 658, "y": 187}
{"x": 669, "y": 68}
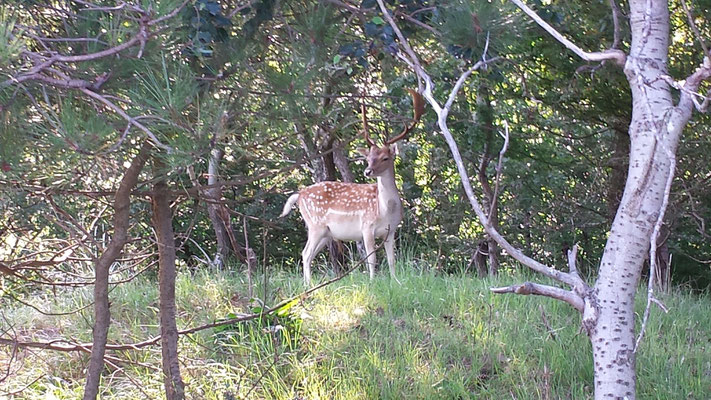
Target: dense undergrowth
{"x": 434, "y": 336}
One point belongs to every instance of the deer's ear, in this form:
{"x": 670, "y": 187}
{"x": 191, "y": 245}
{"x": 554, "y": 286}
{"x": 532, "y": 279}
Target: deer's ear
{"x": 363, "y": 152}
{"x": 394, "y": 150}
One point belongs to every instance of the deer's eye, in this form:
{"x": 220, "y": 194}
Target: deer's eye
{"x": 386, "y": 158}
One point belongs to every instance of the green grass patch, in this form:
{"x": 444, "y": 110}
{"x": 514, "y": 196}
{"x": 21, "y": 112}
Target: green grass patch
{"x": 433, "y": 336}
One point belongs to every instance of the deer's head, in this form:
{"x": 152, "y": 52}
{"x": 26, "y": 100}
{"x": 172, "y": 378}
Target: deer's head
{"x": 381, "y": 158}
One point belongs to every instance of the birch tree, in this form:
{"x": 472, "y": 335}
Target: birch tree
{"x": 659, "y": 115}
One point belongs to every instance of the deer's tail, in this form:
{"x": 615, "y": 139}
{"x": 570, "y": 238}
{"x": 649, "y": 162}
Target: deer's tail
{"x": 289, "y": 204}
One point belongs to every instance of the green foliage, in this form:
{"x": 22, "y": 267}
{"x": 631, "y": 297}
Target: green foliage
{"x": 205, "y": 25}
{"x": 284, "y": 324}
{"x": 10, "y": 42}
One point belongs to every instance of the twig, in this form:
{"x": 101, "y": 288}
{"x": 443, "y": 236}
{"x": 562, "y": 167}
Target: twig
{"x": 544, "y": 318}
{"x": 499, "y": 168}
{"x": 419, "y": 23}
{"x": 572, "y": 260}
{"x": 263, "y": 374}
{"x": 13, "y": 354}
{"x": 248, "y": 258}
{"x": 118, "y": 110}
{"x": 94, "y": 7}
{"x": 354, "y": 10}
{"x": 18, "y": 391}
{"x": 653, "y": 242}
{"x": 8, "y": 294}
{"x": 169, "y": 15}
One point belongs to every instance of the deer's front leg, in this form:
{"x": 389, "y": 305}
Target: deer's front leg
{"x": 390, "y": 251}
{"x": 369, "y": 242}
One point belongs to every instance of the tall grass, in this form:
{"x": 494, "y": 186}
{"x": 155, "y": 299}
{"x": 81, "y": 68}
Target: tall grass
{"x": 435, "y": 336}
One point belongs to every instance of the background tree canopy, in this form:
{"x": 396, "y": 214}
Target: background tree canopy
{"x": 227, "y": 107}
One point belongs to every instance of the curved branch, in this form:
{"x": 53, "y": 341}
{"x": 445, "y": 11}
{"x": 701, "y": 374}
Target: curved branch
{"x": 618, "y": 56}
{"x": 442, "y": 113}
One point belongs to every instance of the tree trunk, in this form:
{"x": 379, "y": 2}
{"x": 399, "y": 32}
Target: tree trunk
{"x": 214, "y": 198}
{"x": 654, "y": 134}
{"x": 102, "y": 313}
{"x": 662, "y": 280}
{"x": 163, "y": 225}
{"x": 478, "y": 261}
{"x": 485, "y": 120}
{"x": 341, "y": 162}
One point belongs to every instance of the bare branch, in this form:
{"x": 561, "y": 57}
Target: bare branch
{"x": 142, "y": 35}
{"x": 653, "y": 246}
{"x": 572, "y": 260}
{"x": 140, "y": 38}
{"x": 94, "y": 7}
{"x": 169, "y": 15}
{"x": 547, "y": 324}
{"x": 14, "y": 298}
{"x": 618, "y": 56}
{"x": 499, "y": 167}
{"x": 421, "y": 24}
{"x": 693, "y": 27}
{"x": 528, "y": 288}
{"x": 353, "y": 9}
{"x": 689, "y": 87}
{"x": 615, "y": 24}
{"x": 403, "y": 41}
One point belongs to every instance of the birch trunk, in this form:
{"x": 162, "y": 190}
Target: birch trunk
{"x": 654, "y": 135}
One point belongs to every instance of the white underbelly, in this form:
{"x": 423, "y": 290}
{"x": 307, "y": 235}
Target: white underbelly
{"x": 346, "y": 231}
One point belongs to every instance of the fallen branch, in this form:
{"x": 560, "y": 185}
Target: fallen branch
{"x": 528, "y": 288}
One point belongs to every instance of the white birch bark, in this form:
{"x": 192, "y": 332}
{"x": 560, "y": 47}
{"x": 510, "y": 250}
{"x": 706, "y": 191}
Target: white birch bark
{"x": 654, "y": 133}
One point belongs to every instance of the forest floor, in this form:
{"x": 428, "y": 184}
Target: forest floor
{"x": 434, "y": 336}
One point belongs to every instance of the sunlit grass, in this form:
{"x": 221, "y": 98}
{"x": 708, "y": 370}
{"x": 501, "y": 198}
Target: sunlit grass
{"x": 434, "y": 336}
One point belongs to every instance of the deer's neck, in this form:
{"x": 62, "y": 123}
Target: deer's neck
{"x": 388, "y": 195}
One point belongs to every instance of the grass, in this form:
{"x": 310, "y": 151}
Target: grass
{"x": 434, "y": 336}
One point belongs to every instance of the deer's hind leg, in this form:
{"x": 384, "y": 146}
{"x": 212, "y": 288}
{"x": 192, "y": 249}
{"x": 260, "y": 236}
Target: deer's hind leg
{"x": 318, "y": 238}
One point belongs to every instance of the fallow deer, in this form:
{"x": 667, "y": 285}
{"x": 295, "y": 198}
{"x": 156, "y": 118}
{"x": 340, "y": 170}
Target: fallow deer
{"x": 353, "y": 211}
